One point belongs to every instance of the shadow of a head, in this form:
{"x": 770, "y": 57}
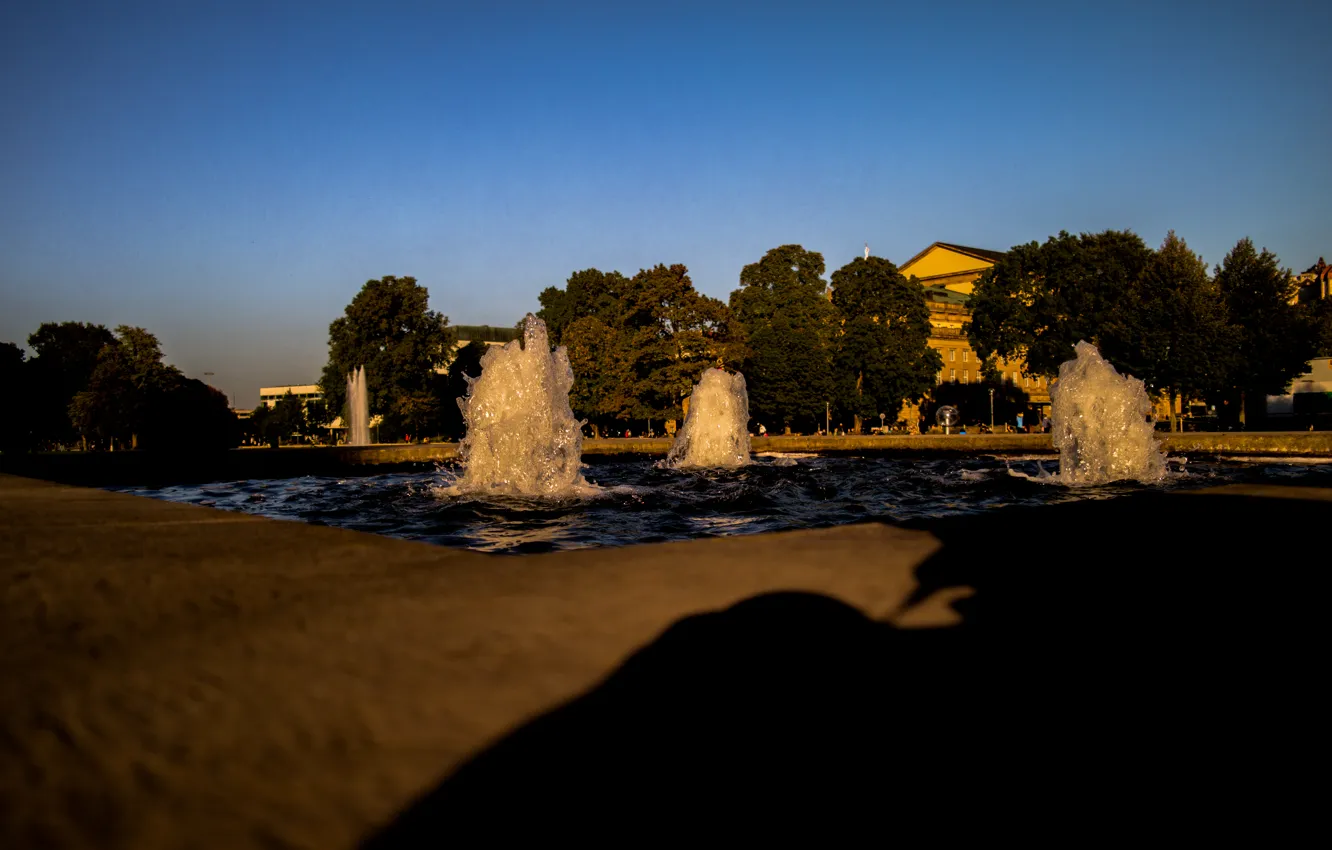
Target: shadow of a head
{"x": 784, "y": 698}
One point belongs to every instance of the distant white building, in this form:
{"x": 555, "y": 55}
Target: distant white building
{"x": 270, "y": 396}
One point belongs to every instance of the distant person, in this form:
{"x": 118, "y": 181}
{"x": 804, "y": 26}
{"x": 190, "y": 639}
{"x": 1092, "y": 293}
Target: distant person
{"x": 763, "y": 431}
{"x": 1045, "y": 424}
{"x": 962, "y": 430}
{"x": 1019, "y": 423}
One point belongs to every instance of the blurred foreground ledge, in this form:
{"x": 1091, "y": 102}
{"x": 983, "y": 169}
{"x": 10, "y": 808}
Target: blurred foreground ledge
{"x": 178, "y": 676}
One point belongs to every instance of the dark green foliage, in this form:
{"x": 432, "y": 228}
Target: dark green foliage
{"x": 135, "y": 400}
{"x": 125, "y": 390}
{"x": 1320, "y": 313}
{"x": 466, "y": 364}
{"x": 64, "y": 356}
{"x": 189, "y": 415}
{"x": 675, "y": 334}
{"x": 318, "y": 417}
{"x": 1276, "y": 338}
{"x": 602, "y": 359}
{"x": 881, "y": 355}
{"x": 1175, "y": 332}
{"x": 287, "y": 419}
{"x": 1172, "y": 329}
{"x": 636, "y": 345}
{"x": 15, "y": 426}
{"x": 590, "y": 292}
{"x": 1038, "y": 301}
{"x": 786, "y": 322}
{"x": 389, "y": 329}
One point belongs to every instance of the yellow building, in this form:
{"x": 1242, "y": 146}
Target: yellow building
{"x": 949, "y": 272}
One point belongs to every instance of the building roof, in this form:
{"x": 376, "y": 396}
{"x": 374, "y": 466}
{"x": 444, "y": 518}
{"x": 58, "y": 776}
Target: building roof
{"x": 978, "y": 253}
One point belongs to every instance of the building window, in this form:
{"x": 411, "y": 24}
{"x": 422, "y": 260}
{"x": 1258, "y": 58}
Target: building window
{"x": 1026, "y": 382}
{"x": 952, "y": 374}
{"x": 952, "y": 354}
{"x": 966, "y": 354}
{"x": 966, "y": 373}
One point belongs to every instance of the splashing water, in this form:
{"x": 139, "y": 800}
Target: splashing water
{"x": 522, "y": 438}
{"x": 1100, "y": 424}
{"x": 358, "y": 409}
{"x": 716, "y": 431}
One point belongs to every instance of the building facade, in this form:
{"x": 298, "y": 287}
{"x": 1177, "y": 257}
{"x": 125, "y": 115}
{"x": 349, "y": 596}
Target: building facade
{"x": 948, "y": 274}
{"x": 270, "y": 396}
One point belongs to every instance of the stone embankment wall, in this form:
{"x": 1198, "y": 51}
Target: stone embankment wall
{"x": 143, "y": 468}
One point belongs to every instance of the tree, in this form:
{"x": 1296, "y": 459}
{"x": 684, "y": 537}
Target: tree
{"x": 466, "y": 366}
{"x": 188, "y": 414}
{"x": 602, "y": 361}
{"x": 786, "y": 323}
{"x": 124, "y": 390}
{"x": 881, "y": 352}
{"x": 1038, "y": 301}
{"x": 1321, "y": 314}
{"x": 590, "y": 292}
{"x": 287, "y": 418}
{"x": 1276, "y": 337}
{"x": 14, "y": 426}
{"x": 389, "y": 329}
{"x": 1172, "y": 329}
{"x": 675, "y": 333}
{"x": 64, "y": 357}
{"x": 318, "y": 418}
{"x": 637, "y": 345}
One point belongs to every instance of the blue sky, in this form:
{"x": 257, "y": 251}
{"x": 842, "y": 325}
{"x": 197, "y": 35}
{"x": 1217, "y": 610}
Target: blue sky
{"x": 228, "y": 175}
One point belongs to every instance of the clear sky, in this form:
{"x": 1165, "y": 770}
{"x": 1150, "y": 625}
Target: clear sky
{"x": 228, "y": 174}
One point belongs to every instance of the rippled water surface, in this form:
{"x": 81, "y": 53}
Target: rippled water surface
{"x": 639, "y": 503}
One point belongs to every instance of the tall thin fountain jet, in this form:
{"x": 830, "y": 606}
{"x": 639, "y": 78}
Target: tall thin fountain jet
{"x": 358, "y": 409}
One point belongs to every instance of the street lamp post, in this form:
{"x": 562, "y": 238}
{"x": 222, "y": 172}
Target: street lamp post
{"x": 827, "y": 419}
{"x": 991, "y": 410}
{"x": 882, "y": 417}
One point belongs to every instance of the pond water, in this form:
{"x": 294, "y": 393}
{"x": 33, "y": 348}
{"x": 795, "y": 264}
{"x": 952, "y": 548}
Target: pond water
{"x": 637, "y": 502}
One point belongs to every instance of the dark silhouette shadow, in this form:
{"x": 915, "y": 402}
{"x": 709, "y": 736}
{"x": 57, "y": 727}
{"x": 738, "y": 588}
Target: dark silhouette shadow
{"x": 1122, "y": 664}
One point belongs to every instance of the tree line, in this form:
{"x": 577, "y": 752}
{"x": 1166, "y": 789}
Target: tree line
{"x": 87, "y": 387}
{"x": 855, "y": 345}
{"x": 812, "y": 350}
{"x": 1231, "y": 337}
{"x": 639, "y": 344}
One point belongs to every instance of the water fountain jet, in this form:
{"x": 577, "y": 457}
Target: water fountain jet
{"x": 716, "y": 430}
{"x": 1100, "y": 423}
{"x": 358, "y": 409}
{"x": 522, "y": 437}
